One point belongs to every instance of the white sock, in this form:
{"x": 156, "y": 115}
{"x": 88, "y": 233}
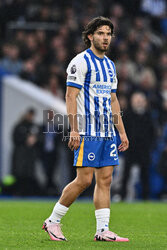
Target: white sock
{"x": 102, "y": 219}
{"x": 58, "y": 212}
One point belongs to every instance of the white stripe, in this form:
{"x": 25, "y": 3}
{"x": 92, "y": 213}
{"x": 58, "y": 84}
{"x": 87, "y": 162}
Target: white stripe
{"x": 91, "y": 95}
{"x": 92, "y": 66}
{"x": 106, "y": 69}
{"x": 99, "y": 69}
{"x": 81, "y": 111}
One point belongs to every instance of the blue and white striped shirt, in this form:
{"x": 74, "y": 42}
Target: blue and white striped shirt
{"x": 96, "y": 79}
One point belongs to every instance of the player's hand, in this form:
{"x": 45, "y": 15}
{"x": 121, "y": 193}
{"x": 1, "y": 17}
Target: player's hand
{"x": 124, "y": 142}
{"x": 74, "y": 141}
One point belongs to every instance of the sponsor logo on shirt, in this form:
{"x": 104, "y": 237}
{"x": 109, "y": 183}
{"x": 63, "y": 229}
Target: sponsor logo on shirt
{"x": 102, "y": 89}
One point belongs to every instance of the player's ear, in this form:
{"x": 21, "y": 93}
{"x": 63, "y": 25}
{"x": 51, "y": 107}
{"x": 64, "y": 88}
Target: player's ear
{"x": 90, "y": 36}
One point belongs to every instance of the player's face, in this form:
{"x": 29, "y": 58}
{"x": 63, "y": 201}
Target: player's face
{"x": 101, "y": 38}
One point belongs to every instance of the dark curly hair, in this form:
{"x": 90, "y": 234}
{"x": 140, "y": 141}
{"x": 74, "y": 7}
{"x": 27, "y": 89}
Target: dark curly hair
{"x": 93, "y": 25}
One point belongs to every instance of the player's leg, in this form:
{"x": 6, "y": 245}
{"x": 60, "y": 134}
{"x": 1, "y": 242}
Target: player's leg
{"x": 77, "y": 186}
{"x": 102, "y": 197}
{"x": 102, "y": 205}
{"x": 102, "y": 188}
{"x": 69, "y": 195}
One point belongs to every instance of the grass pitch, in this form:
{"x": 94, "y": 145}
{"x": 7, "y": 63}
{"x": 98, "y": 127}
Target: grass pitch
{"x": 145, "y": 224}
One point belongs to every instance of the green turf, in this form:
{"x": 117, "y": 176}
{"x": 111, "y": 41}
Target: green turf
{"x": 144, "y": 223}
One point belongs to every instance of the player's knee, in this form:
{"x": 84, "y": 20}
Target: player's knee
{"x": 85, "y": 182}
{"x": 105, "y": 181}
{"x": 108, "y": 181}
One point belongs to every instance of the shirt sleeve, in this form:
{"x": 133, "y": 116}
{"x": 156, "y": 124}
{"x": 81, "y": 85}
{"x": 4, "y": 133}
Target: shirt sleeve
{"x": 76, "y": 71}
{"x": 115, "y": 80}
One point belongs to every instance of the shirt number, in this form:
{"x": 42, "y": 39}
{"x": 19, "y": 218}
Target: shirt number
{"x": 113, "y": 151}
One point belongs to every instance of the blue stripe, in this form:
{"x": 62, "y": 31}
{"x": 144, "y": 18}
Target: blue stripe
{"x": 109, "y": 101}
{"x": 113, "y": 91}
{"x": 109, "y": 69}
{"x": 97, "y": 115}
{"x": 95, "y": 64}
{"x": 87, "y": 98}
{"x": 103, "y": 71}
{"x": 76, "y": 153}
{"x": 105, "y": 115}
{"x": 72, "y": 84}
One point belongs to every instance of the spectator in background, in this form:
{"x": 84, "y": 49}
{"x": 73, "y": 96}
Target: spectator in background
{"x": 49, "y": 145}
{"x": 154, "y": 7}
{"x": 10, "y": 60}
{"x": 31, "y": 45}
{"x": 54, "y": 86}
{"x": 123, "y": 101}
{"x": 124, "y": 61}
{"x": 25, "y": 136}
{"x": 147, "y": 84}
{"x": 163, "y": 93}
{"x": 162, "y": 163}
{"x": 140, "y": 132}
{"x": 29, "y": 70}
{"x": 118, "y": 172}
{"x": 126, "y": 85}
{"x": 43, "y": 14}
{"x": 161, "y": 67}
{"x": 141, "y": 58}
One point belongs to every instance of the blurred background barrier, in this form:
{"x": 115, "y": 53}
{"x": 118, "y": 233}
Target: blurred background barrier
{"x": 38, "y": 40}
{"x": 18, "y": 96}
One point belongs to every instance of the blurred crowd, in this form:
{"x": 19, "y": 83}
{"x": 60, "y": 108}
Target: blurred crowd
{"x": 39, "y": 38}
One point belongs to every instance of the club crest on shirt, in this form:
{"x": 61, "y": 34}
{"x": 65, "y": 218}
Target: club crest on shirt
{"x": 73, "y": 69}
{"x": 110, "y": 72}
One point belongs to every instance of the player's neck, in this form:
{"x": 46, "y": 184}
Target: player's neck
{"x": 98, "y": 53}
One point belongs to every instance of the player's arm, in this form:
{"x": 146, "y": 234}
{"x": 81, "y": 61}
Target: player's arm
{"x": 71, "y": 104}
{"x": 117, "y": 119}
